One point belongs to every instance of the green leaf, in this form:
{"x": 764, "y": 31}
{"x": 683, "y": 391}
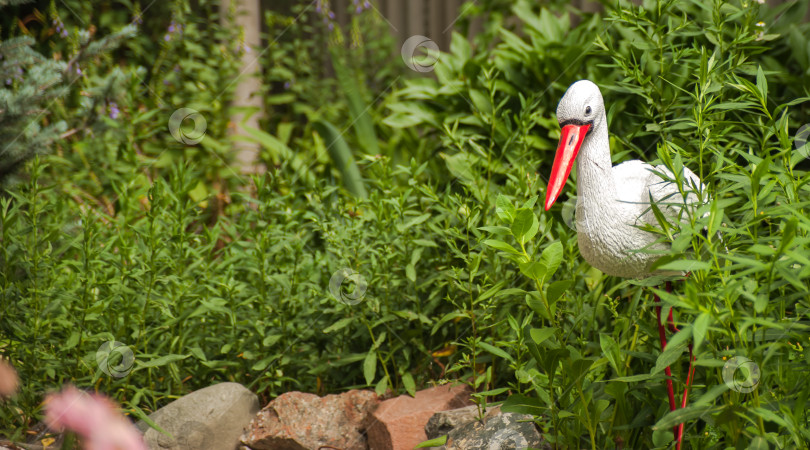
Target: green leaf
{"x": 162, "y": 361}
{"x": 685, "y": 265}
{"x": 424, "y": 242}
{"x": 198, "y": 353}
{"x": 436, "y": 442}
{"x": 668, "y": 356}
{"x": 505, "y": 209}
{"x": 533, "y": 270}
{"x": 410, "y": 385}
{"x": 552, "y": 257}
{"x": 339, "y": 325}
{"x": 502, "y": 246}
{"x": 556, "y": 289}
{"x": 758, "y": 443}
{"x": 72, "y": 340}
{"x": 537, "y": 305}
{"x": 761, "y": 302}
{"x": 680, "y": 416}
{"x": 611, "y": 350}
{"x": 271, "y": 340}
{"x": 539, "y": 335}
{"x": 413, "y": 222}
{"x": 370, "y": 366}
{"x": 353, "y": 89}
{"x": 495, "y": 351}
{"x": 342, "y": 158}
{"x": 762, "y": 85}
{"x": 381, "y": 386}
{"x": 525, "y": 225}
{"x": 633, "y": 378}
{"x": 410, "y": 272}
{"x": 662, "y": 438}
{"x": 699, "y": 329}
{"x": 522, "y": 404}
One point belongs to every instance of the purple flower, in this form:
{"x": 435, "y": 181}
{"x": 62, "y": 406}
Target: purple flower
{"x": 114, "y": 111}
{"x": 167, "y": 38}
{"x": 78, "y": 71}
{"x": 287, "y": 85}
{"x": 332, "y": 15}
{"x": 367, "y": 4}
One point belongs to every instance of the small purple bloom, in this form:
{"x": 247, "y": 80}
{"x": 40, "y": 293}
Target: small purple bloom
{"x": 167, "y": 38}
{"x": 332, "y": 15}
{"x": 287, "y": 85}
{"x": 8, "y": 81}
{"x": 358, "y": 10}
{"x": 366, "y": 4}
{"x": 166, "y": 82}
{"x": 78, "y": 71}
{"x": 114, "y": 111}
{"x": 331, "y": 26}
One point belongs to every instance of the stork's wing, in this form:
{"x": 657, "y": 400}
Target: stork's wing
{"x": 637, "y": 182}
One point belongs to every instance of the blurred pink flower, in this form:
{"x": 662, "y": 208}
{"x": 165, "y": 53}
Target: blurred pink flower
{"x": 94, "y": 417}
{"x": 8, "y": 379}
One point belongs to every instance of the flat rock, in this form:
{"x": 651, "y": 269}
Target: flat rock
{"x": 443, "y": 422}
{"x": 301, "y": 421}
{"x": 211, "y": 418}
{"x": 399, "y": 423}
{"x": 504, "y": 431}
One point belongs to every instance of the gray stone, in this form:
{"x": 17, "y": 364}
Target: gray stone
{"x": 443, "y": 422}
{"x": 211, "y": 418}
{"x": 504, "y": 431}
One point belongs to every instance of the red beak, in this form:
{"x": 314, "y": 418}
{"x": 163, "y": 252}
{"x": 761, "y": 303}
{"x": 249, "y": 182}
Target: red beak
{"x": 571, "y": 139}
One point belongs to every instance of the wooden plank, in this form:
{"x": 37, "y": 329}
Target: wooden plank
{"x": 435, "y": 23}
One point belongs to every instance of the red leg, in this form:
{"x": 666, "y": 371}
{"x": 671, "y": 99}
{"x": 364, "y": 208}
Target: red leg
{"x": 667, "y": 371}
{"x": 689, "y": 374}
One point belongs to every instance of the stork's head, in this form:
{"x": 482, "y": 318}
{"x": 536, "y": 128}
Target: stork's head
{"x": 579, "y": 112}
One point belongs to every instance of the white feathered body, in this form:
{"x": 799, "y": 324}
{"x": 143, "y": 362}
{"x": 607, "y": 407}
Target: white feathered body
{"x": 614, "y": 202}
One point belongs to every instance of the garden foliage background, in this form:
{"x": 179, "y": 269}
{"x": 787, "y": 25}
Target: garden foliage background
{"x": 423, "y": 185}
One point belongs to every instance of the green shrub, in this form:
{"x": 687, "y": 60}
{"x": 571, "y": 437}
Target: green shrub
{"x": 709, "y": 87}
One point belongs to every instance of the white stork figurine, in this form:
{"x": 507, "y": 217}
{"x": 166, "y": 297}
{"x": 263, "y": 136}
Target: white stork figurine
{"x": 614, "y": 202}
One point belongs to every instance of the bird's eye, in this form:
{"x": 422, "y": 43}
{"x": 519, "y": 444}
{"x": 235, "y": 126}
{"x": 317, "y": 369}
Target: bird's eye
{"x": 587, "y": 110}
